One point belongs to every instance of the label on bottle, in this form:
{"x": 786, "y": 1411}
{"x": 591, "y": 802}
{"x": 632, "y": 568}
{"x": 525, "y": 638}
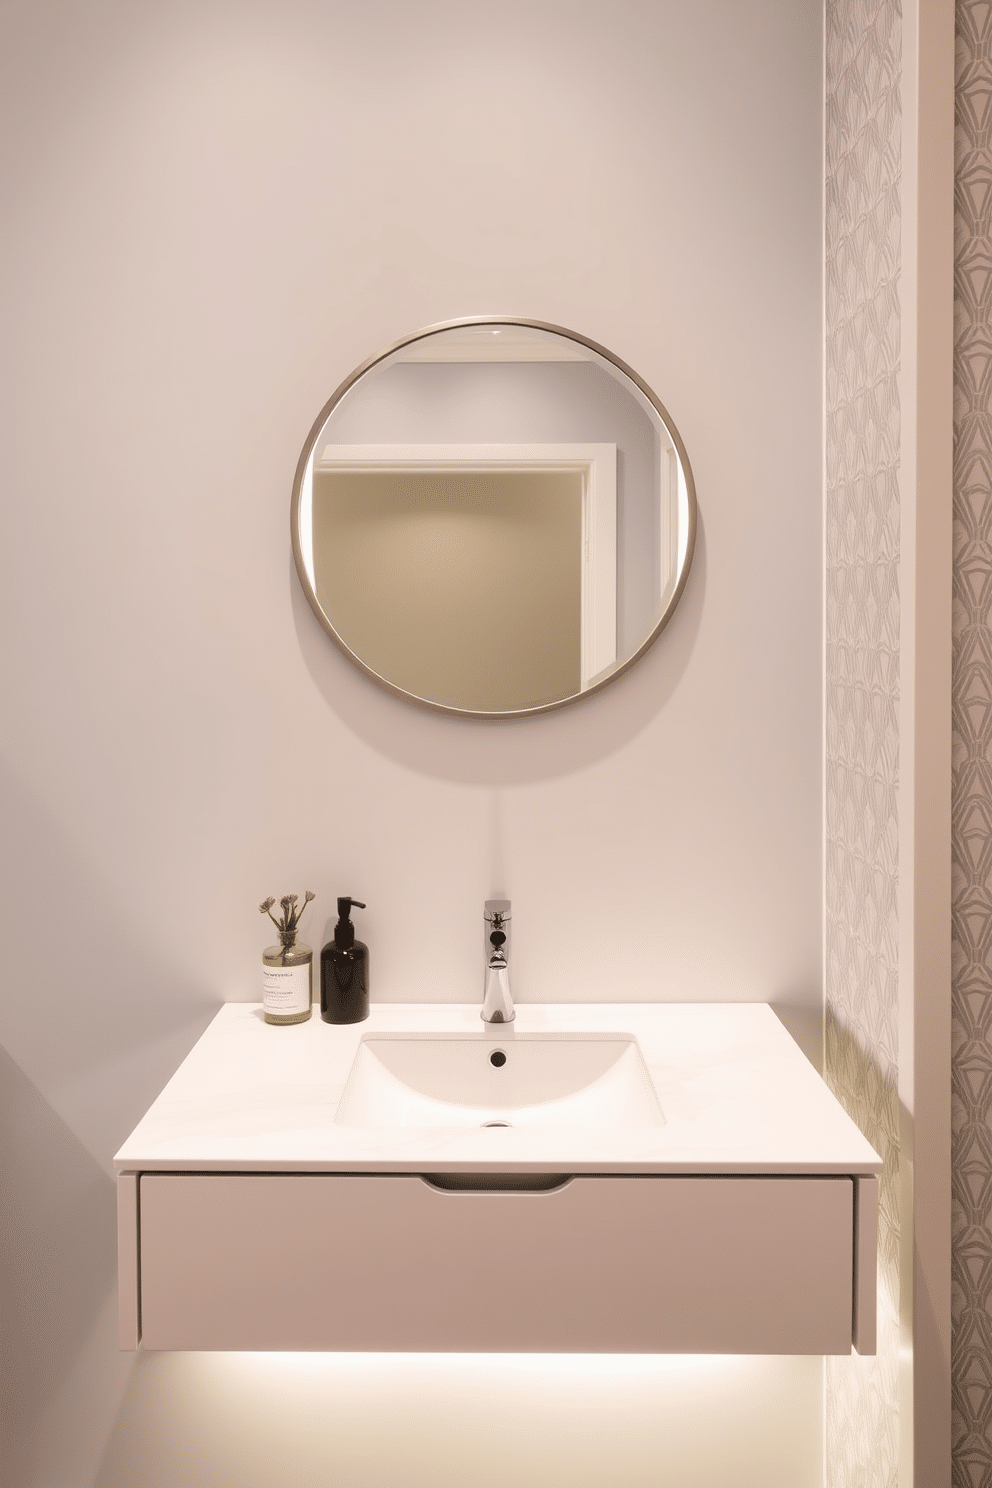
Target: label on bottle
{"x": 286, "y": 989}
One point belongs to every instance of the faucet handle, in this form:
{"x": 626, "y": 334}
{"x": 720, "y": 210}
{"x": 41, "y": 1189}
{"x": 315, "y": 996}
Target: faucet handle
{"x": 497, "y": 923}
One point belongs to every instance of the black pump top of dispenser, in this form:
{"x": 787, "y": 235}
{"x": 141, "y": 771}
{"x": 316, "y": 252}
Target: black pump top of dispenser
{"x": 344, "y": 930}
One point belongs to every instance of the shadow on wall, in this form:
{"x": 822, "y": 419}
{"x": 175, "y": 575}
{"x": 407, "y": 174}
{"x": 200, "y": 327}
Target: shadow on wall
{"x": 99, "y": 1034}
{"x": 512, "y": 752}
{"x": 58, "y": 1249}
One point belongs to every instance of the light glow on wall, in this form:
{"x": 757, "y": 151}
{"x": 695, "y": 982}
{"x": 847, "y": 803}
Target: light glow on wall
{"x": 447, "y": 1420}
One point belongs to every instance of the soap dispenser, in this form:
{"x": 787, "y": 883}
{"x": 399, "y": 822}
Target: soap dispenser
{"x": 344, "y": 971}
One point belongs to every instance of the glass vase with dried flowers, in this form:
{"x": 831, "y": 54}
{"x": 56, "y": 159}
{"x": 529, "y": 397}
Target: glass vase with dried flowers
{"x": 287, "y": 968}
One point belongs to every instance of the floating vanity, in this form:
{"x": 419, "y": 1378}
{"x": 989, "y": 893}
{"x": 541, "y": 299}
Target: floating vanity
{"x": 592, "y": 1178}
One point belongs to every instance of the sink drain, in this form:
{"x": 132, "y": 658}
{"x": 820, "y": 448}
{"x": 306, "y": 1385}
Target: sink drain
{"x": 496, "y": 1123}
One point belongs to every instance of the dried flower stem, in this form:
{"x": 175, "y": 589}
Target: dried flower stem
{"x": 292, "y": 911}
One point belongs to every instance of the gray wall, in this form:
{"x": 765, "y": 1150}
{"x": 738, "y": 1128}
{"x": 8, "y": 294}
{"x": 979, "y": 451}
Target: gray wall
{"x": 213, "y": 212}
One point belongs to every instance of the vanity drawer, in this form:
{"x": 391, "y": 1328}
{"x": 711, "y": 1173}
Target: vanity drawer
{"x": 601, "y": 1264}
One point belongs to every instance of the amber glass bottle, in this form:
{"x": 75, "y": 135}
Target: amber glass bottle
{"x": 287, "y": 968}
{"x": 287, "y": 980}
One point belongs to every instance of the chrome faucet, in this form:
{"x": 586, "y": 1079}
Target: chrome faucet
{"x": 497, "y": 1004}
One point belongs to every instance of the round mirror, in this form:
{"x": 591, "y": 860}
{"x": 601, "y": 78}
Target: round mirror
{"x": 493, "y": 518}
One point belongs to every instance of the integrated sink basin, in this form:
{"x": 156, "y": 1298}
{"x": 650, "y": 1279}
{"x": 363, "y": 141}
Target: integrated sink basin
{"x": 505, "y": 1080}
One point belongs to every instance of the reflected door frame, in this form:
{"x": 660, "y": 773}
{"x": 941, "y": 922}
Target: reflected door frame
{"x": 595, "y": 463}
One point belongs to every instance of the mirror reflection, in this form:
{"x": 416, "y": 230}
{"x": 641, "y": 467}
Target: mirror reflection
{"x": 493, "y": 518}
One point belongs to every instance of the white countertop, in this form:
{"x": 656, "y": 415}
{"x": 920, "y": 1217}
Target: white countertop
{"x": 737, "y": 1094}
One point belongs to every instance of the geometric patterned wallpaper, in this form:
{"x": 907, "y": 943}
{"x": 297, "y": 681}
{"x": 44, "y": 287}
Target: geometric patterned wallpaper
{"x": 971, "y": 800}
{"x": 862, "y": 143}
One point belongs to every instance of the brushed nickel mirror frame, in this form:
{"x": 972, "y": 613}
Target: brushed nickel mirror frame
{"x": 409, "y": 340}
